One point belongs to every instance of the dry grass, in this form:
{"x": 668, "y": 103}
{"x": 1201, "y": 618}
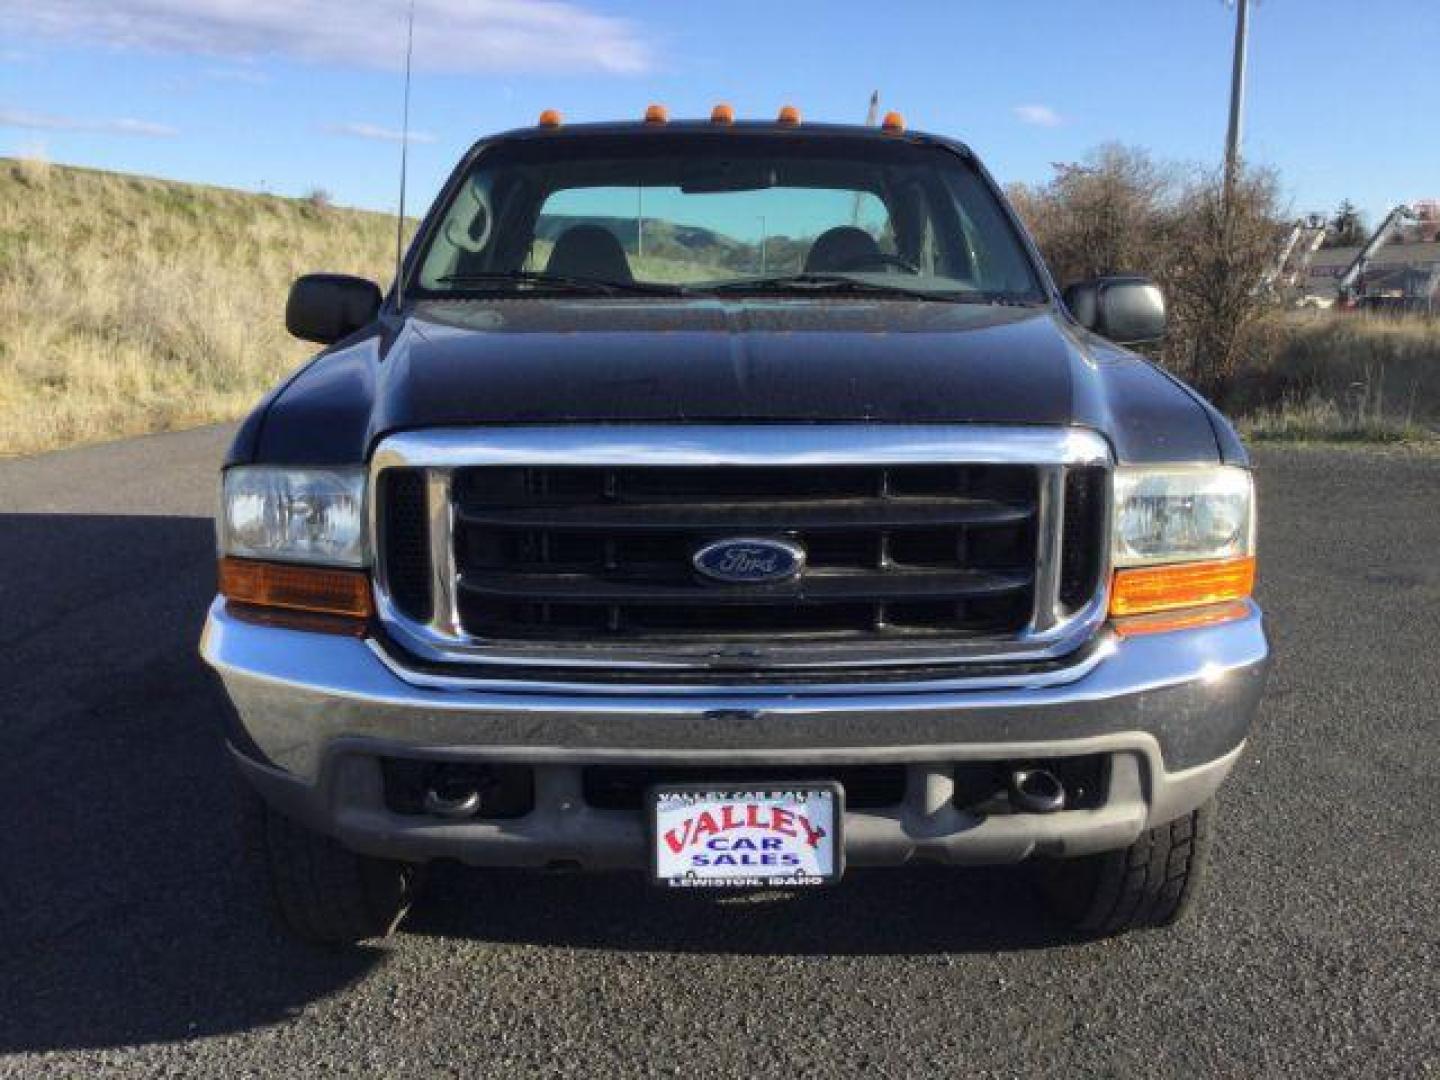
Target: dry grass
{"x": 1345, "y": 356}
{"x": 1342, "y": 377}
{"x": 130, "y": 305}
{"x": 1318, "y": 419}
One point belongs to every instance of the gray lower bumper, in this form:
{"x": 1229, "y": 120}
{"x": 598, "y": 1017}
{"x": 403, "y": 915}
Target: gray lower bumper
{"x": 316, "y": 712}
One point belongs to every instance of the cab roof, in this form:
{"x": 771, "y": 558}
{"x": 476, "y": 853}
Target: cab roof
{"x": 641, "y": 129}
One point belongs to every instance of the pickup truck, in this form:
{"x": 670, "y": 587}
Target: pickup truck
{"x": 741, "y": 504}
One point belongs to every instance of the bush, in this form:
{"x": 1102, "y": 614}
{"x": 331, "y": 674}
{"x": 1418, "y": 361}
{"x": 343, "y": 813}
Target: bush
{"x": 1120, "y": 212}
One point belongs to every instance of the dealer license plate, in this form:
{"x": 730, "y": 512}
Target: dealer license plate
{"x": 780, "y": 835}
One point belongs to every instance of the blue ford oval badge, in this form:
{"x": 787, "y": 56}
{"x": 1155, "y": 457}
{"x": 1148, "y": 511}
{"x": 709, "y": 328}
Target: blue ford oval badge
{"x": 747, "y": 561}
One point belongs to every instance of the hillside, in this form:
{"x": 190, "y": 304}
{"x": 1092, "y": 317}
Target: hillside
{"x": 131, "y": 305}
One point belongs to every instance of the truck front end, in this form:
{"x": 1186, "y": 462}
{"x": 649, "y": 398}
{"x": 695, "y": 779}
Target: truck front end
{"x": 817, "y": 535}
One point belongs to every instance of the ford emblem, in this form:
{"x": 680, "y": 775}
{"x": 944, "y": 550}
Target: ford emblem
{"x": 747, "y": 561}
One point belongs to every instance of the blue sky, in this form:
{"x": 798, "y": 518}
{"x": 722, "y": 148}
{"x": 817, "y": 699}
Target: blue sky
{"x": 292, "y": 95}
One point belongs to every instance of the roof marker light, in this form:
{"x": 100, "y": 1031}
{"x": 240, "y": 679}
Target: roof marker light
{"x": 789, "y": 115}
{"x": 550, "y": 118}
{"x": 657, "y": 114}
{"x": 722, "y": 114}
{"x": 893, "y": 123}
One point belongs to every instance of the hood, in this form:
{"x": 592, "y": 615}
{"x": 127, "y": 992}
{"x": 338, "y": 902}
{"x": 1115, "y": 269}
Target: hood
{"x": 526, "y": 361}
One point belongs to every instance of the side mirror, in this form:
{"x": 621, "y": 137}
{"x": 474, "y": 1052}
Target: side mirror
{"x": 1127, "y": 310}
{"x": 328, "y": 307}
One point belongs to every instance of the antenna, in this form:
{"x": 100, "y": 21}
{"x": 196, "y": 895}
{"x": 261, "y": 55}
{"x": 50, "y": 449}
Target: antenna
{"x": 404, "y": 160}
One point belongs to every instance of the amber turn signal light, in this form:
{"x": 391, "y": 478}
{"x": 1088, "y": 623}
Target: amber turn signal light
{"x": 316, "y": 589}
{"x": 1187, "y": 619}
{"x": 1143, "y": 590}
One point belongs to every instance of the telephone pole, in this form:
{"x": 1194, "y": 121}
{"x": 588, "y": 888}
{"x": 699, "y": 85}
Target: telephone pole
{"x": 1237, "y": 97}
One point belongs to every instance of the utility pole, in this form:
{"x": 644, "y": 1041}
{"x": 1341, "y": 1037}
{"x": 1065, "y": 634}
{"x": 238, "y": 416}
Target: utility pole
{"x": 871, "y": 116}
{"x": 639, "y": 221}
{"x": 1237, "y": 98}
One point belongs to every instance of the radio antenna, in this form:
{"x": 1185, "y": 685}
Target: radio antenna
{"x": 404, "y": 160}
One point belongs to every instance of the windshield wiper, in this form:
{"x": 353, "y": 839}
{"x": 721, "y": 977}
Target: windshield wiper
{"x": 597, "y": 286}
{"x": 835, "y": 282}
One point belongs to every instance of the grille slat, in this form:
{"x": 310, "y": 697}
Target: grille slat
{"x": 836, "y": 514}
{"x": 829, "y": 586}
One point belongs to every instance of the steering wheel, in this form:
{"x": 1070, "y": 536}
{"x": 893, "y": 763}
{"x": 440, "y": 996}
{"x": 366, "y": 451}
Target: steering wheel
{"x": 880, "y": 258}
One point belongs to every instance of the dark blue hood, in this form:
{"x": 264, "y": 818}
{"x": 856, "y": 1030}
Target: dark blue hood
{"x": 528, "y": 361}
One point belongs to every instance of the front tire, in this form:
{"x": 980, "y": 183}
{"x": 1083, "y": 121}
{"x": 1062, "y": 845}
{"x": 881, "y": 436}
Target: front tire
{"x": 322, "y": 892}
{"x": 1152, "y": 883}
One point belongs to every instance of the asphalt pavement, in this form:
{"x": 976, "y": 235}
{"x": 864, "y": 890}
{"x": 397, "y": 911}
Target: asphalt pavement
{"x": 133, "y": 940}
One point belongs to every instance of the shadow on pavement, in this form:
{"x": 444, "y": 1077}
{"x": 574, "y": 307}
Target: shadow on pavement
{"x": 126, "y": 915}
{"x": 919, "y": 911}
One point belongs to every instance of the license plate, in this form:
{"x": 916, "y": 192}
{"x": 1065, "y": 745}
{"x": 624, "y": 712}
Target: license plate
{"x": 776, "y": 834}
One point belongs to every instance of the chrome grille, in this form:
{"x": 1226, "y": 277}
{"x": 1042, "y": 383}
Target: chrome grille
{"x": 573, "y": 546}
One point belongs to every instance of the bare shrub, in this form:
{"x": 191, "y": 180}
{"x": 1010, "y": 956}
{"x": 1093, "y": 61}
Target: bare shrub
{"x": 1120, "y": 211}
{"x": 1105, "y": 215}
{"x": 1219, "y": 250}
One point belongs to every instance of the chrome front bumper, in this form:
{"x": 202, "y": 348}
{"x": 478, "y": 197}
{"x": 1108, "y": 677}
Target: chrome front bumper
{"x": 316, "y": 712}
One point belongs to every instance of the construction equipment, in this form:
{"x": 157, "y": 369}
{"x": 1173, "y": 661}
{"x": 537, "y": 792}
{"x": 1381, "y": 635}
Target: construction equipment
{"x": 1293, "y": 261}
{"x": 1351, "y": 286}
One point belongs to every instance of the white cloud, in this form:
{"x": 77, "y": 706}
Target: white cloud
{"x": 1039, "y": 115}
{"x": 19, "y": 118}
{"x": 374, "y": 131}
{"x": 450, "y": 35}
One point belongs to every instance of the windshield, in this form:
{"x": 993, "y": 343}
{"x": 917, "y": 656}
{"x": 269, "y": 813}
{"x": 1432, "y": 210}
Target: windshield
{"x": 728, "y": 211}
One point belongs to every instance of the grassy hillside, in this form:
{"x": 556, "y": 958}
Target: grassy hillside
{"x": 130, "y": 305}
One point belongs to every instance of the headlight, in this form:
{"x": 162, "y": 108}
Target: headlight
{"x": 294, "y": 515}
{"x": 1182, "y": 514}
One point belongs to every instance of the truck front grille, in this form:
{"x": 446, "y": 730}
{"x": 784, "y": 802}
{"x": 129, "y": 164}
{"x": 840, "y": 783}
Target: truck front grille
{"x": 574, "y": 549}
{"x": 603, "y": 553}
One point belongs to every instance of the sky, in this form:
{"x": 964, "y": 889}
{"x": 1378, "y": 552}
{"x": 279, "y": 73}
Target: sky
{"x": 291, "y": 96}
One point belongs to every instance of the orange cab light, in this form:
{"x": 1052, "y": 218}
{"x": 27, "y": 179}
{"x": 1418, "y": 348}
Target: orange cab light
{"x": 315, "y": 589}
{"x": 893, "y": 123}
{"x": 1187, "y": 619}
{"x": 722, "y": 114}
{"x": 550, "y": 118}
{"x": 657, "y": 114}
{"x": 788, "y": 115}
{"x": 1145, "y": 589}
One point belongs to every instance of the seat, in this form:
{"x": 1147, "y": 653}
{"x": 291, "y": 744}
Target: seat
{"x": 842, "y": 248}
{"x": 592, "y": 252}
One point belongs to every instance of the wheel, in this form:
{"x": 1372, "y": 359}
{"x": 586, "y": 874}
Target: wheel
{"x": 322, "y": 892}
{"x": 1151, "y": 883}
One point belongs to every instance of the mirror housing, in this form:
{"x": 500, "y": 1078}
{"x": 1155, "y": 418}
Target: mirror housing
{"x": 1127, "y": 309}
{"x": 327, "y": 307}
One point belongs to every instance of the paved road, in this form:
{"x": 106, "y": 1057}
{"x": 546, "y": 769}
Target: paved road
{"x": 131, "y": 940}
